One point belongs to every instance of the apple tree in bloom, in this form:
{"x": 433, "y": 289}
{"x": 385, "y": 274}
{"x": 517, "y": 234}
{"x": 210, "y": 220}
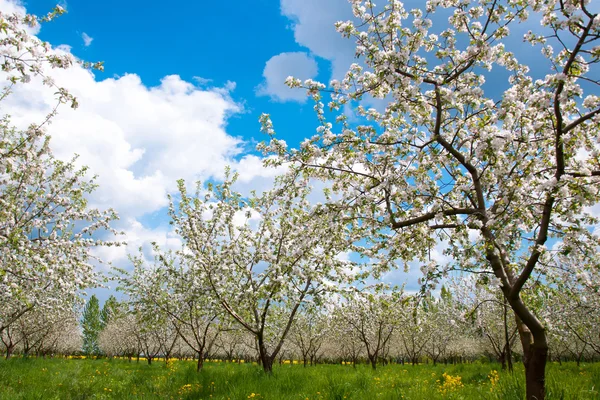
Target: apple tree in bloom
{"x": 373, "y": 316}
{"x": 309, "y": 333}
{"x": 25, "y": 56}
{"x": 496, "y": 171}
{"x": 441, "y": 320}
{"x": 235, "y": 343}
{"x": 262, "y": 256}
{"x": 168, "y": 288}
{"x": 485, "y": 313}
{"x": 344, "y": 342}
{"x": 43, "y": 331}
{"x": 164, "y": 311}
{"x": 119, "y": 338}
{"x": 46, "y": 225}
{"x": 414, "y": 331}
{"x": 574, "y": 301}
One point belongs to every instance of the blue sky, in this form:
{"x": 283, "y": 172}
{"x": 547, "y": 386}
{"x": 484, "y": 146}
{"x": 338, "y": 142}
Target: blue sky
{"x": 217, "y": 41}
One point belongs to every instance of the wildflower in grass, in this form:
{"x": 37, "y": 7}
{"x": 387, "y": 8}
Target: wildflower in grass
{"x": 450, "y": 384}
{"x": 494, "y": 378}
{"x": 185, "y": 388}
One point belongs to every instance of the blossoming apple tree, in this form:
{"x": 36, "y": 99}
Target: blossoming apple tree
{"x": 262, "y": 256}
{"x": 46, "y": 225}
{"x": 373, "y": 316}
{"x": 495, "y": 156}
{"x": 169, "y": 289}
{"x": 486, "y": 313}
{"x": 309, "y": 333}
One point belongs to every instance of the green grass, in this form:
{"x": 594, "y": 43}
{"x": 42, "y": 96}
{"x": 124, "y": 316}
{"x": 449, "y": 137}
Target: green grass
{"x": 119, "y": 379}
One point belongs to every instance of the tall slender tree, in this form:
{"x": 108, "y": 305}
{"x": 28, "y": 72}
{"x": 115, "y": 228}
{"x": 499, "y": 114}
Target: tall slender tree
{"x": 92, "y": 325}
{"x": 109, "y": 310}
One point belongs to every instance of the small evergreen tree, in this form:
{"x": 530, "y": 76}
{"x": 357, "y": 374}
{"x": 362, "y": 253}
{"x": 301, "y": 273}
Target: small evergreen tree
{"x": 109, "y": 310}
{"x": 92, "y": 325}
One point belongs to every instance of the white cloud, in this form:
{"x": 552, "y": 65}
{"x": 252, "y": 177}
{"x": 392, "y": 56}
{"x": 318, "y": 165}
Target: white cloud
{"x": 137, "y": 139}
{"x": 12, "y": 7}
{"x": 200, "y": 81}
{"x": 138, "y": 236}
{"x": 16, "y": 7}
{"x": 313, "y": 25}
{"x": 87, "y": 39}
{"x": 278, "y": 68}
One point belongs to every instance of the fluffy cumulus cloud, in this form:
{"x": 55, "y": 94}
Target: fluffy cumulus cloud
{"x": 138, "y": 237}
{"x": 313, "y": 24}
{"x": 137, "y": 139}
{"x": 278, "y": 68}
{"x": 11, "y": 7}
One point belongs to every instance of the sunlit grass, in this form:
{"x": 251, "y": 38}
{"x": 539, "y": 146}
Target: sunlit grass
{"x": 119, "y": 379}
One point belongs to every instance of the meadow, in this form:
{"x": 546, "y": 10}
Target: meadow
{"x": 54, "y": 378}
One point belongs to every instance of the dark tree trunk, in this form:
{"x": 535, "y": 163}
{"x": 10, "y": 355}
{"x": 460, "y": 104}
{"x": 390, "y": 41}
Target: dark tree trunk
{"x": 535, "y": 355}
{"x": 502, "y": 360}
{"x": 507, "y": 349}
{"x": 535, "y": 373}
{"x": 200, "y": 363}
{"x": 9, "y": 350}
{"x": 267, "y": 363}
{"x": 373, "y": 363}
{"x": 266, "y": 359}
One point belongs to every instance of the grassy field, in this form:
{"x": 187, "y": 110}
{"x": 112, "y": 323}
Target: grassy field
{"x": 119, "y": 379}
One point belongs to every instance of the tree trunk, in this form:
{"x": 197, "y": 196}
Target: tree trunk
{"x": 535, "y": 373}
{"x": 200, "y": 363}
{"x": 9, "y": 350}
{"x": 535, "y": 355}
{"x": 265, "y": 359}
{"x": 373, "y": 362}
{"x": 267, "y": 363}
{"x": 507, "y": 349}
{"x": 502, "y": 360}
{"x": 149, "y": 359}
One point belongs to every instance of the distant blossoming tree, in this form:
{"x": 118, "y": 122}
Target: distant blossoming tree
{"x": 263, "y": 257}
